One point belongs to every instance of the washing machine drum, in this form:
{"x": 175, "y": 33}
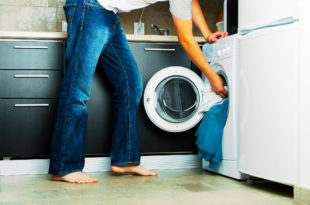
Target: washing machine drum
{"x": 172, "y": 99}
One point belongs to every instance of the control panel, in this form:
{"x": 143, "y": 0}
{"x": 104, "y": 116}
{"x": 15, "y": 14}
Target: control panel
{"x": 223, "y": 48}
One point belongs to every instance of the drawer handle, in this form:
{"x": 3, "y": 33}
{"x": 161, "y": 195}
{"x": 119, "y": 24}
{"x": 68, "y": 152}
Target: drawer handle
{"x": 31, "y": 47}
{"x": 31, "y": 105}
{"x": 31, "y": 76}
{"x": 160, "y": 49}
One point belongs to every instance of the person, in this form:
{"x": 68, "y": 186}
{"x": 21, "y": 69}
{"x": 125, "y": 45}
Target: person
{"x": 95, "y": 36}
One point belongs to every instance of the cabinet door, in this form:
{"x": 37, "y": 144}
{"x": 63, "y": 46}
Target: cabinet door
{"x": 150, "y": 59}
{"x": 29, "y": 83}
{"x": 31, "y": 55}
{"x": 154, "y": 57}
{"x": 26, "y": 127}
{"x": 99, "y": 126}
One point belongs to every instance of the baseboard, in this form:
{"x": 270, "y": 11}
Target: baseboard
{"x": 301, "y": 196}
{"x": 100, "y": 164}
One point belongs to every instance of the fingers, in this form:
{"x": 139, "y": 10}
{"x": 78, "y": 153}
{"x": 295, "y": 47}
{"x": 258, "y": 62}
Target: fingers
{"x": 222, "y": 35}
{"x": 225, "y": 34}
{"x": 223, "y": 94}
{"x": 218, "y": 35}
{"x": 218, "y": 84}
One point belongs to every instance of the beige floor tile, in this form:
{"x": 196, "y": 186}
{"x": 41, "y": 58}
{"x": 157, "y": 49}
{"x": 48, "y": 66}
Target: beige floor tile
{"x": 180, "y": 187}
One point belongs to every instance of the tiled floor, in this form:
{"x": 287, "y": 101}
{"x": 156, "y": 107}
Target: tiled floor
{"x": 180, "y": 187}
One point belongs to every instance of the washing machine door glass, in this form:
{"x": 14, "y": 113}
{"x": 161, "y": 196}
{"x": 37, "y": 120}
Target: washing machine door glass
{"x": 178, "y": 99}
{"x": 172, "y": 98}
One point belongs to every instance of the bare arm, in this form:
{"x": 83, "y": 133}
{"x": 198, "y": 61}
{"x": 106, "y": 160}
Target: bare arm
{"x": 200, "y": 22}
{"x": 191, "y": 47}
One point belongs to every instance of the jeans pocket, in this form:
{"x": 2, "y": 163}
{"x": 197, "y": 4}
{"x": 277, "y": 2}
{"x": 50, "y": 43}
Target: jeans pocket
{"x": 69, "y": 10}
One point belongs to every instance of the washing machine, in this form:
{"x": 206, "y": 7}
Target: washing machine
{"x": 174, "y": 97}
{"x": 222, "y": 57}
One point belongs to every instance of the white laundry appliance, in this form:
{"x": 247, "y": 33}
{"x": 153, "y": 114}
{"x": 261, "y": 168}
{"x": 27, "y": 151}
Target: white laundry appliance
{"x": 272, "y": 84}
{"x": 223, "y": 59}
{"x": 174, "y": 97}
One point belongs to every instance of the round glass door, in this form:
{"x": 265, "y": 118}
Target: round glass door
{"x": 178, "y": 99}
{"x": 172, "y": 99}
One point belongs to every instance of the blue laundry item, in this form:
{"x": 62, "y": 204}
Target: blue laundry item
{"x": 210, "y": 133}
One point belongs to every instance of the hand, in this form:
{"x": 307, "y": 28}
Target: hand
{"x": 216, "y": 36}
{"x": 217, "y": 85}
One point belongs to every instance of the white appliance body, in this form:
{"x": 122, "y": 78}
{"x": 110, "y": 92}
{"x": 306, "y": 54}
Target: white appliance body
{"x": 165, "y": 89}
{"x": 254, "y": 13}
{"x": 304, "y": 87}
{"x": 224, "y": 62}
{"x": 270, "y": 89}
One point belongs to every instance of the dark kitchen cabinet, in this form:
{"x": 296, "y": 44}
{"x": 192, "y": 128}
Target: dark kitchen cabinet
{"x": 30, "y": 78}
{"x": 41, "y": 55}
{"x": 26, "y": 126}
{"x": 150, "y": 57}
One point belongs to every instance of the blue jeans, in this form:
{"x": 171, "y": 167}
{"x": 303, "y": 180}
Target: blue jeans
{"x": 95, "y": 37}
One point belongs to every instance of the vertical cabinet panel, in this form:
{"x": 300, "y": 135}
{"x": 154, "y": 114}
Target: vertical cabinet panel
{"x": 99, "y": 126}
{"x": 151, "y": 58}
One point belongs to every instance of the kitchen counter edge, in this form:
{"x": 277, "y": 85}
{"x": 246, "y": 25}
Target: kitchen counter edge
{"x": 23, "y": 35}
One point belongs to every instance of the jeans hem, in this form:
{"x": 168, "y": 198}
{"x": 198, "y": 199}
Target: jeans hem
{"x": 125, "y": 163}
{"x": 63, "y": 172}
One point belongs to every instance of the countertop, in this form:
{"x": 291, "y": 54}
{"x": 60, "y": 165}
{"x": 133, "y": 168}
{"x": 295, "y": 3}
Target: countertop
{"x": 62, "y": 36}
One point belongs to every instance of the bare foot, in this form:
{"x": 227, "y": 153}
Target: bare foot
{"x": 133, "y": 169}
{"x": 75, "y": 177}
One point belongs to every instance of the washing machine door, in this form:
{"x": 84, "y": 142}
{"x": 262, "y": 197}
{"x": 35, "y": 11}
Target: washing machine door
{"x": 172, "y": 99}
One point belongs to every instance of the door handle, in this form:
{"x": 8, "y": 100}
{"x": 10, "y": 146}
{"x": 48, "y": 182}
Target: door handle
{"x": 30, "y": 47}
{"x": 31, "y": 76}
{"x": 31, "y": 105}
{"x": 160, "y": 49}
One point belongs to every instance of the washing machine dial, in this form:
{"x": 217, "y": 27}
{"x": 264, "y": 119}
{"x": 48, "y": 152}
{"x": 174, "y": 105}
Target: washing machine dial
{"x": 228, "y": 50}
{"x": 219, "y": 53}
{"x": 224, "y": 52}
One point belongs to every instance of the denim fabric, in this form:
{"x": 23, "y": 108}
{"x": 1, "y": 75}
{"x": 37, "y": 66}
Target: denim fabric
{"x": 95, "y": 37}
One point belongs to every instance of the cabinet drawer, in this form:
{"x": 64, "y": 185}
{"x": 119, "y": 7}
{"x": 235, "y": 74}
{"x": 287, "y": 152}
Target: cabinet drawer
{"x": 29, "y": 84}
{"x": 26, "y": 127}
{"x": 31, "y": 55}
{"x": 152, "y": 57}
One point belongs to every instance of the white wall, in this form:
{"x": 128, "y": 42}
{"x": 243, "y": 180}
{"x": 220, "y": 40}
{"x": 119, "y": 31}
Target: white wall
{"x": 304, "y": 175}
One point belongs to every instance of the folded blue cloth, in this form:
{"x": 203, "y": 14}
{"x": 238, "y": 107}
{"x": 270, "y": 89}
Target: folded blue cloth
{"x": 210, "y": 133}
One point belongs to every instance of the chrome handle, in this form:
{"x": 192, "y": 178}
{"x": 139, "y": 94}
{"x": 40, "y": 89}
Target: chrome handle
{"x": 31, "y": 76}
{"x": 160, "y": 49}
{"x": 30, "y": 47}
{"x": 31, "y": 105}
